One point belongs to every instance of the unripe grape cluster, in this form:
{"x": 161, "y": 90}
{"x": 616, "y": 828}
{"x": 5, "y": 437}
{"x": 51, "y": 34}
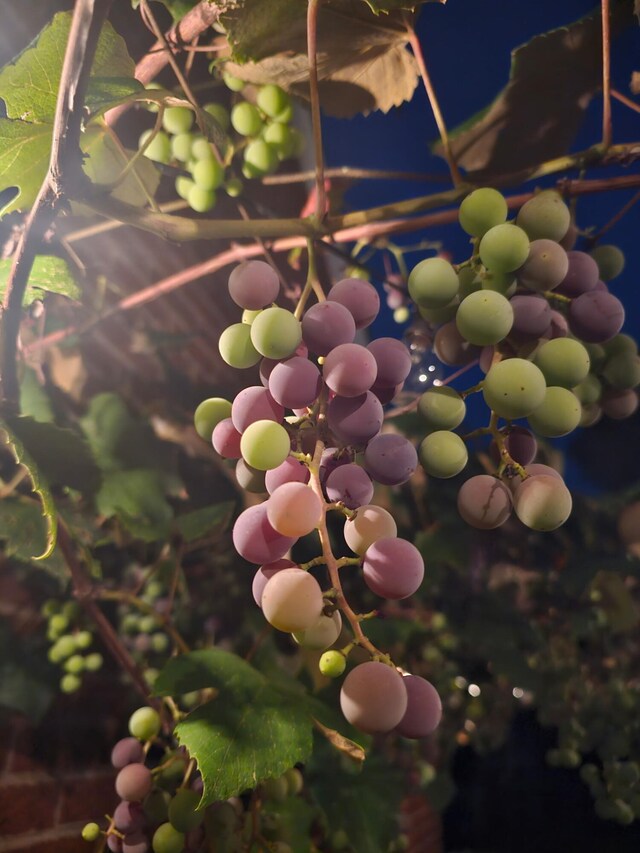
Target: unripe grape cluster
{"x": 310, "y": 437}
{"x": 71, "y": 643}
{"x": 261, "y": 134}
{"x": 540, "y": 319}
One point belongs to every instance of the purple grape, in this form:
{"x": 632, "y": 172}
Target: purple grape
{"x": 265, "y": 368}
{"x": 359, "y": 297}
{"x": 349, "y": 484}
{"x": 393, "y": 568}
{"x": 127, "y": 751}
{"x": 295, "y": 383}
{"x": 424, "y": 708}
{"x": 254, "y": 285}
{"x": 114, "y": 843}
{"x": 596, "y": 317}
{"x": 386, "y": 395}
{"x": 133, "y": 782}
{"x": 484, "y": 502}
{"x": 254, "y": 403}
{"x": 619, "y": 404}
{"x": 264, "y": 574}
{"x": 582, "y": 276}
{"x": 601, "y": 286}
{"x": 349, "y": 370}
{"x": 558, "y": 328}
{"x": 256, "y": 540}
{"x": 290, "y": 471}
{"x": 545, "y": 268}
{"x": 332, "y": 458}
{"x": 393, "y": 361}
{"x": 128, "y": 817}
{"x": 355, "y": 420}
{"x": 226, "y": 440}
{"x": 531, "y": 316}
{"x": 250, "y": 478}
{"x": 326, "y": 326}
{"x": 520, "y": 444}
{"x": 137, "y": 842}
{"x": 390, "y": 459}
{"x": 451, "y": 348}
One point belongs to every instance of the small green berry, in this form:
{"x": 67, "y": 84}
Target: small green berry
{"x": 74, "y": 664}
{"x": 166, "y": 839}
{"x": 69, "y": 683}
{"x": 83, "y": 639}
{"x": 93, "y": 662}
{"x": 91, "y": 832}
{"x": 332, "y": 663}
{"x": 144, "y": 723}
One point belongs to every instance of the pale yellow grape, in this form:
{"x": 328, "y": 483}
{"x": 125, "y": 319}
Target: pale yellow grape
{"x": 236, "y": 347}
{"x": 321, "y": 634}
{"x": 265, "y": 445}
{"x": 276, "y": 333}
{"x": 542, "y": 502}
{"x": 292, "y": 600}
{"x": 294, "y": 509}
{"x": 370, "y": 524}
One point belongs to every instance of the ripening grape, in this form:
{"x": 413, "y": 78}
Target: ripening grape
{"x": 520, "y": 444}
{"x": 451, "y": 348}
{"x": 349, "y": 370}
{"x": 373, "y": 697}
{"x": 424, "y": 708}
{"x": 144, "y": 723}
{"x": 322, "y": 633}
{"x": 254, "y": 285}
{"x": 393, "y": 361}
{"x": 290, "y": 471}
{"x": 265, "y": 444}
{"x": 582, "y": 275}
{"x": 201, "y": 200}
{"x": 393, "y": 568}
{"x": 159, "y": 149}
{"x": 350, "y": 485}
{"x": 183, "y": 814}
{"x": 531, "y": 316}
{"x": 295, "y": 383}
{"x": 136, "y": 842}
{"x": 128, "y": 817}
{"x": 294, "y": 509}
{"x": 370, "y": 523}
{"x": 332, "y": 664}
{"x": 622, "y": 371}
{"x": 355, "y": 420}
{"x": 437, "y": 316}
{"x": 545, "y": 268}
{"x": 545, "y": 216}
{"x": 513, "y": 388}
{"x": 266, "y": 572}
{"x": 542, "y": 502}
{"x": 484, "y": 502}
{"x": 250, "y": 479}
{"x": 504, "y": 248}
{"x": 596, "y": 316}
{"x": 619, "y": 404}
{"x": 610, "y": 261}
{"x": 166, "y": 839}
{"x": 504, "y": 283}
{"x": 359, "y": 297}
{"x": 252, "y": 404}
{"x": 128, "y": 750}
{"x": 133, "y": 782}
{"x": 246, "y": 119}
{"x": 209, "y": 414}
{"x": 219, "y": 114}
{"x": 292, "y": 600}
{"x": 481, "y": 210}
{"x": 563, "y": 361}
{"x": 226, "y": 440}
{"x": 390, "y": 459}
{"x": 327, "y": 325}
{"x": 442, "y": 408}
{"x": 255, "y": 539}
{"x": 433, "y": 283}
{"x": 484, "y": 317}
{"x": 589, "y": 390}
{"x": 236, "y": 347}
{"x": 276, "y": 333}
{"x": 443, "y": 454}
{"x": 208, "y": 174}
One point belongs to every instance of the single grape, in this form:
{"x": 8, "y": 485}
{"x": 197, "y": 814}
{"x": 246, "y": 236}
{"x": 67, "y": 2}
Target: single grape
{"x": 292, "y": 600}
{"x": 201, "y": 200}
{"x": 183, "y": 186}
{"x": 272, "y": 100}
{"x": 133, "y": 782}
{"x": 82, "y": 639}
{"x": 484, "y": 502}
{"x": 589, "y": 390}
{"x": 256, "y": 540}
{"x": 128, "y": 817}
{"x": 264, "y": 573}
{"x": 219, "y": 113}
{"x": 90, "y": 832}
{"x": 177, "y": 120}
{"x": 451, "y": 348}
{"x": 332, "y": 664}
{"x": 254, "y": 285}
{"x": 183, "y": 814}
{"x": 295, "y": 383}
{"x": 136, "y": 842}
{"x": 226, "y": 440}
{"x": 443, "y": 454}
{"x": 144, "y": 723}
{"x": 390, "y": 459}
{"x": 513, "y": 388}
{"x": 355, "y": 420}
{"x": 276, "y": 789}
{"x": 582, "y": 275}
{"x": 93, "y": 662}
{"x": 74, "y": 664}
{"x": 114, "y": 843}
{"x": 370, "y": 523}
{"x": 350, "y": 485}
{"x": 504, "y": 248}
{"x": 349, "y": 370}
{"x": 545, "y": 216}
{"x": 433, "y": 283}
{"x": 373, "y": 697}
{"x": 181, "y": 147}
{"x": 504, "y": 283}
{"x": 424, "y": 708}
{"x": 281, "y": 138}
{"x": 327, "y": 325}
{"x": 438, "y": 316}
{"x": 596, "y": 316}
{"x": 201, "y": 150}
{"x": 294, "y": 509}
{"x": 622, "y": 371}
{"x": 322, "y": 633}
{"x": 619, "y": 404}
{"x": 481, "y": 210}
{"x": 468, "y": 281}
{"x": 295, "y": 781}
{"x": 264, "y": 445}
{"x": 392, "y": 360}
{"x": 610, "y": 261}
{"x": 276, "y": 333}
{"x": 542, "y": 502}
{"x": 531, "y": 317}
{"x": 260, "y": 158}
{"x": 520, "y": 443}
{"x": 484, "y": 317}
{"x": 233, "y": 187}
{"x": 359, "y": 297}
{"x": 166, "y": 839}
{"x": 159, "y": 148}
{"x": 208, "y": 174}
{"x": 545, "y": 268}
{"x": 563, "y": 361}
{"x": 290, "y": 471}
{"x": 393, "y": 568}
{"x": 250, "y": 479}
{"x": 246, "y": 119}
{"x": 442, "y": 407}
{"x": 237, "y": 348}
{"x": 252, "y": 404}
{"x": 70, "y": 683}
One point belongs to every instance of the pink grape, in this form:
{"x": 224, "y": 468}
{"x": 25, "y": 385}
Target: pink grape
{"x": 393, "y": 568}
{"x": 484, "y": 502}
{"x": 424, "y": 708}
{"x": 359, "y": 297}
{"x": 292, "y": 600}
{"x": 355, "y": 420}
{"x": 253, "y": 285}
{"x": 290, "y": 471}
{"x": 582, "y": 275}
{"x": 349, "y": 370}
{"x": 252, "y": 404}
{"x": 390, "y": 459}
{"x": 373, "y": 697}
{"x": 393, "y": 361}
{"x": 531, "y": 315}
{"x": 133, "y": 782}
{"x": 226, "y": 440}
{"x": 542, "y": 502}
{"x": 256, "y": 540}
{"x": 332, "y": 458}
{"x": 295, "y": 383}
{"x": 128, "y": 750}
{"x": 327, "y": 325}
{"x": 265, "y": 573}
{"x": 294, "y": 509}
{"x": 349, "y": 484}
{"x": 370, "y": 523}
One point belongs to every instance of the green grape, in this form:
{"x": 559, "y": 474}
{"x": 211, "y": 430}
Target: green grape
{"x": 71, "y": 609}
{"x": 484, "y": 318}
{"x": 439, "y": 316}
{"x": 272, "y": 100}
{"x": 69, "y": 683}
{"x": 233, "y": 187}
{"x": 150, "y": 675}
{"x": 332, "y": 664}
{"x": 201, "y": 200}
{"x": 154, "y": 589}
{"x": 250, "y": 479}
{"x": 90, "y": 832}
{"x": 265, "y": 445}
{"x": 236, "y": 347}
{"x": 208, "y": 174}
{"x": 558, "y": 414}
{"x": 504, "y": 248}
{"x": 481, "y": 210}
{"x": 159, "y": 642}
{"x": 93, "y": 662}
{"x": 219, "y": 113}
{"x": 591, "y": 414}
{"x": 159, "y": 149}
{"x": 275, "y": 333}
{"x": 74, "y": 664}
{"x": 54, "y": 655}
{"x": 281, "y": 137}
{"x": 545, "y": 216}
{"x": 147, "y": 624}
{"x": 201, "y": 150}
{"x": 177, "y": 120}
{"x": 156, "y": 806}
{"x": 620, "y": 344}
{"x": 443, "y": 454}
{"x": 276, "y": 789}
{"x": 260, "y": 158}
{"x": 166, "y": 839}
{"x": 295, "y": 781}
{"x": 513, "y": 388}
{"x": 589, "y": 390}
{"x": 563, "y": 361}
{"x": 622, "y": 371}
{"x": 170, "y": 776}
{"x": 181, "y": 147}
{"x": 246, "y": 119}
{"x": 50, "y": 607}
{"x": 468, "y": 281}
{"x": 184, "y": 186}
{"x": 209, "y": 414}
{"x": 542, "y": 502}
{"x": 82, "y": 639}
{"x": 433, "y": 283}
{"x": 442, "y": 408}
{"x": 144, "y": 723}
{"x": 223, "y": 817}
{"x": 504, "y": 283}
{"x": 130, "y": 621}
{"x": 66, "y": 645}
{"x": 610, "y": 260}
{"x": 285, "y": 116}
{"x": 248, "y": 316}
{"x": 183, "y": 814}
{"x": 231, "y": 82}
{"x": 58, "y": 623}
{"x": 150, "y": 106}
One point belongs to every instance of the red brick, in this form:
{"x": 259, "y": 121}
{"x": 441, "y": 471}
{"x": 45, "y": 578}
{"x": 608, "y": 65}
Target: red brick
{"x": 87, "y": 797}
{"x": 27, "y": 802}
{"x": 64, "y": 839}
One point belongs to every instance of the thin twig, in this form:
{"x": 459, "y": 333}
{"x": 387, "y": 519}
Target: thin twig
{"x": 354, "y": 173}
{"x": 626, "y": 101}
{"x": 615, "y": 219}
{"x": 314, "y": 96}
{"x": 606, "y": 76}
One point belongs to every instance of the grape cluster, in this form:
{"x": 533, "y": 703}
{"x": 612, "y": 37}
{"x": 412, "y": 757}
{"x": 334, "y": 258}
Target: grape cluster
{"x": 540, "y": 319}
{"x": 263, "y": 139}
{"x": 142, "y": 631}
{"x": 158, "y": 809}
{"x": 71, "y": 643}
{"x": 326, "y": 454}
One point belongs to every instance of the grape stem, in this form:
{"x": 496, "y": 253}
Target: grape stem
{"x": 312, "y": 283}
{"x": 314, "y": 96}
{"x": 606, "y": 76}
{"x": 506, "y": 460}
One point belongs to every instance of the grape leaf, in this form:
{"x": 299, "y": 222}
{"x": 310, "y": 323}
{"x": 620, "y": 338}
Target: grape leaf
{"x": 518, "y": 131}
{"x": 30, "y": 82}
{"x": 137, "y": 498}
{"x": 106, "y": 162}
{"x": 34, "y": 400}
{"x": 363, "y": 64}
{"x": 48, "y": 275}
{"x": 22, "y": 532}
{"x": 106, "y": 92}
{"x": 24, "y": 159}
{"x": 204, "y": 521}
{"x": 253, "y": 729}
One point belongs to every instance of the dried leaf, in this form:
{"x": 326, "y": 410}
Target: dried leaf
{"x": 343, "y": 744}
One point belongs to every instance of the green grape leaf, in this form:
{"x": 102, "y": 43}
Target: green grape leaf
{"x": 177, "y": 8}
{"x": 253, "y": 730}
{"x": 40, "y": 486}
{"x": 106, "y": 161}
{"x": 137, "y": 497}
{"x": 204, "y": 521}
{"x": 106, "y": 92}
{"x": 62, "y": 455}
{"x": 24, "y": 159}
{"x": 33, "y": 398}
{"x": 29, "y": 84}
{"x": 48, "y": 275}
{"x": 518, "y": 131}
{"x": 363, "y": 63}
{"x": 23, "y": 533}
